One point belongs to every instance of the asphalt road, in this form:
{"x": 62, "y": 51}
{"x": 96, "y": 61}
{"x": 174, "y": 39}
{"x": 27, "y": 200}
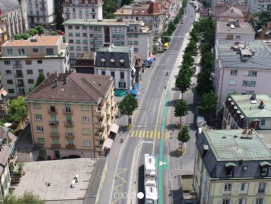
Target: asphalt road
{"x": 149, "y": 118}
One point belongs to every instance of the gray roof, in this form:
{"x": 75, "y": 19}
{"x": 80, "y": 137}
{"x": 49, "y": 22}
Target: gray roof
{"x": 261, "y": 60}
{"x": 103, "y": 22}
{"x": 228, "y": 148}
{"x": 251, "y": 109}
{"x": 118, "y": 49}
{"x": 244, "y": 28}
{"x": 9, "y": 5}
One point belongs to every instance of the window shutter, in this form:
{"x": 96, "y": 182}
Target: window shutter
{"x": 246, "y": 187}
{"x": 232, "y": 188}
{"x": 230, "y": 201}
{"x": 256, "y": 188}
{"x": 239, "y": 188}
{"x": 264, "y": 201}
{"x": 68, "y": 117}
{"x": 254, "y": 201}
{"x": 266, "y": 188}
{"x": 244, "y": 201}
{"x": 222, "y": 189}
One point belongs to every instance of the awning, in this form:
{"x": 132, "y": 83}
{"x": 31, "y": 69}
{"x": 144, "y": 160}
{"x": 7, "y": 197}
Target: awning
{"x": 235, "y": 107}
{"x": 229, "y": 164}
{"x": 152, "y": 57}
{"x": 119, "y": 92}
{"x": 265, "y": 164}
{"x": 238, "y": 111}
{"x": 133, "y": 91}
{"x": 150, "y": 60}
{"x": 136, "y": 97}
{"x": 137, "y": 86}
{"x": 232, "y": 103}
{"x": 3, "y": 92}
{"x": 108, "y": 143}
{"x": 256, "y": 120}
{"x": 114, "y": 128}
{"x": 241, "y": 116}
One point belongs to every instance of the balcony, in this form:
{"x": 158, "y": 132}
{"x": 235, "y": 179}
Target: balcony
{"x": 53, "y": 123}
{"x": 42, "y": 8}
{"x": 98, "y": 112}
{"x": 55, "y": 146}
{"x": 52, "y": 110}
{"x": 67, "y": 112}
{"x": 69, "y": 135}
{"x": 68, "y": 123}
{"x": 98, "y": 125}
{"x": 19, "y": 75}
{"x": 20, "y": 84}
{"x": 54, "y": 134}
{"x": 70, "y": 146}
{"x": 17, "y": 65}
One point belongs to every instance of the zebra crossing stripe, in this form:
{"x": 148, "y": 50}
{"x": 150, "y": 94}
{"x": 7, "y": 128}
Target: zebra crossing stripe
{"x": 140, "y": 133}
{"x": 133, "y": 132}
{"x": 147, "y": 136}
{"x": 136, "y": 133}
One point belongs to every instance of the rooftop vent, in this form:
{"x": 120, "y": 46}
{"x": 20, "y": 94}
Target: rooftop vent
{"x": 33, "y": 40}
{"x": 119, "y": 20}
{"x": 253, "y": 96}
{"x": 235, "y": 136}
{"x": 100, "y": 83}
{"x": 261, "y": 106}
{"x": 224, "y": 137}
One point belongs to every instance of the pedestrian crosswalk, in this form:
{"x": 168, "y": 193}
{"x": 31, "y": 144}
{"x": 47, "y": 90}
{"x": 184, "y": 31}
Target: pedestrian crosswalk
{"x": 149, "y": 134}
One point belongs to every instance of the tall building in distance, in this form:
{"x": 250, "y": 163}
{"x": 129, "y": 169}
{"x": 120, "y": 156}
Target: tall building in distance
{"x": 82, "y": 9}
{"x": 22, "y": 60}
{"x": 73, "y": 114}
{"x": 41, "y": 12}
{"x": 232, "y": 166}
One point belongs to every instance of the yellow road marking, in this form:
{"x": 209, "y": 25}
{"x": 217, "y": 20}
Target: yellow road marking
{"x": 136, "y": 133}
{"x": 147, "y": 135}
{"x": 162, "y": 135}
{"x": 166, "y": 135}
{"x": 155, "y": 134}
{"x": 133, "y": 132}
{"x": 151, "y": 134}
{"x": 140, "y": 133}
{"x": 123, "y": 180}
{"x": 143, "y": 133}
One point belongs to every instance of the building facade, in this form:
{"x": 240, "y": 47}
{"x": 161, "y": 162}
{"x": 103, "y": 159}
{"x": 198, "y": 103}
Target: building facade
{"x": 16, "y": 16}
{"x": 82, "y": 9}
{"x": 72, "y": 114}
{"x": 83, "y": 35}
{"x": 23, "y": 60}
{"x": 232, "y": 166}
{"x": 258, "y": 6}
{"x": 117, "y": 62}
{"x": 242, "y": 67}
{"x": 3, "y": 30}
{"x": 41, "y": 12}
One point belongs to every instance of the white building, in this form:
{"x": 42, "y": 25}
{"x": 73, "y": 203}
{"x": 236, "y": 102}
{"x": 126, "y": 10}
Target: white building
{"x": 83, "y": 35}
{"x": 82, "y": 9}
{"x": 40, "y": 12}
{"x": 258, "y": 5}
{"x": 22, "y": 60}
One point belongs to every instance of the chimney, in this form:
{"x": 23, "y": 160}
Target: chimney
{"x": 57, "y": 74}
{"x": 261, "y": 106}
{"x": 56, "y": 82}
{"x": 48, "y": 74}
{"x": 100, "y": 83}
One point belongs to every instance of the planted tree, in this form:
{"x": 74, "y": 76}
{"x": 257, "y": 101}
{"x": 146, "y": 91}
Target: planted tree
{"x": 32, "y": 32}
{"x": 183, "y": 81}
{"x": 27, "y": 198}
{"x": 154, "y": 49}
{"x": 208, "y": 103}
{"x": 109, "y": 8}
{"x": 40, "y": 79}
{"x": 181, "y": 109}
{"x": 183, "y": 135}
{"x": 17, "y": 110}
{"x": 204, "y": 83}
{"x": 188, "y": 59}
{"x": 128, "y": 105}
{"x": 59, "y": 14}
{"x": 40, "y": 29}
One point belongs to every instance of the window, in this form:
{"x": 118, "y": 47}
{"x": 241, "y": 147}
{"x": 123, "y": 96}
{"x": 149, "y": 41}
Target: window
{"x": 84, "y": 107}
{"x": 55, "y": 141}
{"x": 242, "y": 201}
{"x": 28, "y": 62}
{"x": 78, "y": 41}
{"x": 234, "y": 72}
{"x": 227, "y": 187}
{"x": 39, "y": 129}
{"x": 249, "y": 83}
{"x": 232, "y": 82}
{"x": 122, "y": 85}
{"x": 230, "y": 171}
{"x": 77, "y": 34}
{"x": 71, "y": 41}
{"x": 85, "y": 119}
{"x": 21, "y": 52}
{"x": 40, "y": 70}
{"x": 135, "y": 42}
{"x": 11, "y": 91}
{"x": 226, "y": 201}
{"x": 77, "y": 27}
{"x": 49, "y": 51}
{"x": 9, "y": 81}
{"x": 135, "y": 36}
{"x": 36, "y": 105}
{"x": 113, "y": 74}
{"x": 68, "y": 108}
{"x": 71, "y": 48}
{"x": 8, "y": 72}
{"x": 78, "y": 48}
{"x": 262, "y": 187}
{"x": 84, "y": 27}
{"x": 29, "y": 71}
{"x": 243, "y": 186}
{"x": 85, "y": 42}
{"x": 86, "y": 143}
{"x": 135, "y": 49}
{"x": 85, "y": 48}
{"x": 264, "y": 170}
{"x": 9, "y": 52}
{"x": 86, "y": 131}
{"x": 39, "y": 61}
{"x": 122, "y": 75}
{"x": 102, "y": 64}
{"x": 35, "y": 50}
{"x": 7, "y": 62}
{"x": 30, "y": 81}
{"x": 69, "y": 27}
{"x": 41, "y": 141}
{"x": 38, "y": 117}
{"x": 130, "y": 35}
{"x": 259, "y": 201}
{"x": 70, "y": 142}
{"x": 112, "y": 64}
{"x": 103, "y": 72}
{"x": 130, "y": 42}
{"x": 250, "y": 73}
{"x": 70, "y": 34}
{"x": 262, "y": 121}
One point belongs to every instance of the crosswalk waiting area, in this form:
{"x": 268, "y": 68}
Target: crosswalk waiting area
{"x": 149, "y": 134}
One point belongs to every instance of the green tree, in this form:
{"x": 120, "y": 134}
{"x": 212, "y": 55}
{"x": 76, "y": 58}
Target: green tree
{"x": 40, "y": 79}
{"x": 17, "y": 110}
{"x": 183, "y": 135}
{"x": 59, "y": 15}
{"x": 188, "y": 58}
{"x": 183, "y": 81}
{"x": 194, "y": 35}
{"x": 208, "y": 103}
{"x": 154, "y": 49}
{"x": 128, "y": 105}
{"x": 207, "y": 62}
{"x": 32, "y": 32}
{"x": 16, "y": 37}
{"x": 27, "y": 198}
{"x": 109, "y": 8}
{"x": 171, "y": 28}
{"x": 40, "y": 29}
{"x": 191, "y": 47}
{"x": 24, "y": 36}
{"x": 181, "y": 109}
{"x": 165, "y": 39}
{"x": 204, "y": 83}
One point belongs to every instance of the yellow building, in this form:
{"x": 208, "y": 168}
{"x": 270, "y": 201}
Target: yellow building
{"x": 73, "y": 114}
{"x": 232, "y": 167}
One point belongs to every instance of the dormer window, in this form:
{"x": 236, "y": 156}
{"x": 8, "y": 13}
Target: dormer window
{"x": 102, "y": 62}
{"x": 230, "y": 169}
{"x": 112, "y": 63}
{"x": 264, "y": 168}
{"x": 122, "y": 63}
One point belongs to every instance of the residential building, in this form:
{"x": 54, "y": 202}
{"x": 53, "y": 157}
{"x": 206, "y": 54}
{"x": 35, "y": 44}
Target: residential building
{"x": 69, "y": 181}
{"x": 258, "y": 6}
{"x": 41, "y": 12}
{"x": 85, "y": 35}
{"x": 73, "y": 114}
{"x": 22, "y": 61}
{"x": 234, "y": 30}
{"x": 3, "y": 30}
{"x": 7, "y": 145}
{"x": 264, "y": 32}
{"x": 4, "y": 102}
{"x": 232, "y": 166}
{"x": 82, "y": 9}
{"x": 85, "y": 63}
{"x": 225, "y": 13}
{"x": 118, "y": 62}
{"x": 16, "y": 16}
{"x": 242, "y": 67}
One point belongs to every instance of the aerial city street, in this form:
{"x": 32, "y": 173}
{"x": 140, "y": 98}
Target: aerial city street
{"x": 135, "y": 102}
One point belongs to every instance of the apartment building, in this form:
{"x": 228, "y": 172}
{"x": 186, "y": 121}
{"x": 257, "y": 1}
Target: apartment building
{"x": 22, "y": 60}
{"x": 16, "y": 16}
{"x": 85, "y": 35}
{"x": 258, "y": 6}
{"x": 242, "y": 67}
{"x": 232, "y": 166}
{"x": 234, "y": 30}
{"x": 118, "y": 62}
{"x": 73, "y": 114}
{"x": 41, "y": 12}
{"x": 82, "y": 9}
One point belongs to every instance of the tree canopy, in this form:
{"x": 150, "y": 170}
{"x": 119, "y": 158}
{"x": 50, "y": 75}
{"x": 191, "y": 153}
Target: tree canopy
{"x": 109, "y": 8}
{"x": 17, "y": 110}
{"x": 183, "y": 135}
{"x": 204, "y": 83}
{"x": 208, "y": 103}
{"x": 181, "y": 109}
{"x": 263, "y": 18}
{"x": 59, "y": 15}
{"x": 128, "y": 105}
{"x": 183, "y": 81}
{"x": 40, "y": 79}
{"x": 27, "y": 198}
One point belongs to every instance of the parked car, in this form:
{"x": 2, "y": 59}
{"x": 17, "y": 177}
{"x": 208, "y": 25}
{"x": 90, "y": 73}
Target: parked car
{"x": 59, "y": 32}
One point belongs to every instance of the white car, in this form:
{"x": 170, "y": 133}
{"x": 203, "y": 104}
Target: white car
{"x": 200, "y": 121}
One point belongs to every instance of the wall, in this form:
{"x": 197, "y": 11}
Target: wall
{"x": 236, "y": 36}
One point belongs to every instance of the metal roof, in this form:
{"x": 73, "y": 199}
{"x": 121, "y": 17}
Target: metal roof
{"x": 108, "y": 22}
{"x": 229, "y": 58}
{"x": 118, "y": 49}
{"x": 250, "y": 108}
{"x": 228, "y": 145}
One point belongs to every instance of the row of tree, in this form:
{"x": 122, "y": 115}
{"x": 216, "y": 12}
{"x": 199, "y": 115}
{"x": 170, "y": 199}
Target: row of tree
{"x": 172, "y": 25}
{"x": 31, "y": 32}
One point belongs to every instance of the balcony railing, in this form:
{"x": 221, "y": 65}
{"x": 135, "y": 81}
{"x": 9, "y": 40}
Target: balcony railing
{"x": 68, "y": 112}
{"x": 69, "y": 135}
{"x": 56, "y": 146}
{"x": 52, "y": 111}
{"x": 19, "y": 75}
{"x": 70, "y": 146}
{"x": 53, "y": 122}
{"x": 68, "y": 123}
{"x": 20, "y": 84}
{"x": 42, "y": 8}
{"x": 54, "y": 134}
{"x": 17, "y": 65}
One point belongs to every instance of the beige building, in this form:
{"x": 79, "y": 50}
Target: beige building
{"x": 73, "y": 114}
{"x": 232, "y": 167}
